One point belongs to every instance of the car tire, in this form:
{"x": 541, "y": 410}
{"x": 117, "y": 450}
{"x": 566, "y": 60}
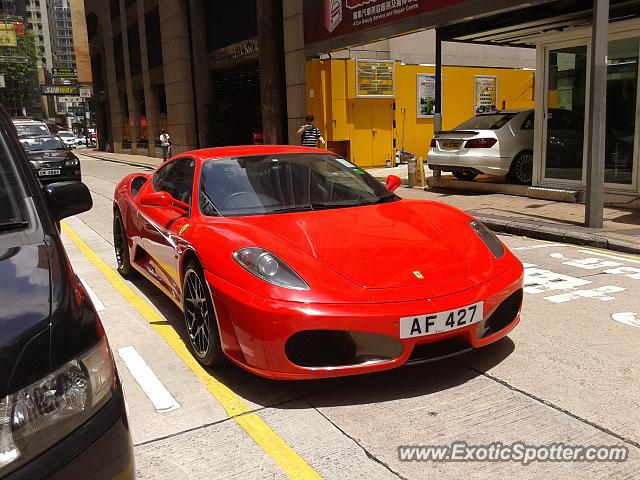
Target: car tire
{"x": 466, "y": 175}
{"x": 121, "y": 247}
{"x": 521, "y": 170}
{"x": 200, "y": 318}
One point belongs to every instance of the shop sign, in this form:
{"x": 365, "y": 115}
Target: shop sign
{"x": 375, "y": 78}
{"x": 85, "y": 92}
{"x": 327, "y": 19}
{"x": 486, "y": 94}
{"x": 426, "y": 95}
{"x": 59, "y": 90}
{"x": 65, "y": 72}
{"x": 8, "y": 35}
{"x": 234, "y": 54}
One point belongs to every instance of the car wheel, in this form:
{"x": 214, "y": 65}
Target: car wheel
{"x": 521, "y": 170}
{"x": 200, "y": 318}
{"x": 467, "y": 175}
{"x": 121, "y": 246}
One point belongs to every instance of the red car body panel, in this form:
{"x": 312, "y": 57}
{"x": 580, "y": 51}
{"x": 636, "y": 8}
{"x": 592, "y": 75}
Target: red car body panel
{"x": 359, "y": 263}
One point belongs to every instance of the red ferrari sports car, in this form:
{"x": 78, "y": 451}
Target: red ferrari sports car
{"x": 294, "y": 263}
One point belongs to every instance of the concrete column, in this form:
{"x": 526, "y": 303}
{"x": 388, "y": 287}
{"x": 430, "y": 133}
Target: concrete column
{"x": 597, "y": 115}
{"x": 114, "y": 135}
{"x": 202, "y": 86}
{"x": 150, "y": 99}
{"x": 269, "y": 13}
{"x": 132, "y": 104}
{"x": 294, "y": 61}
{"x": 174, "y": 25}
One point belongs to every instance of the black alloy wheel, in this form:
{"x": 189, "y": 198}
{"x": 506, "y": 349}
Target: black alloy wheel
{"x": 200, "y": 318}
{"x": 521, "y": 170}
{"x": 120, "y": 244}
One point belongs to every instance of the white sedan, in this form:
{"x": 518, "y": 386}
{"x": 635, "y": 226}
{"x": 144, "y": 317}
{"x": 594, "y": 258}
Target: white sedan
{"x": 498, "y": 143}
{"x": 68, "y": 138}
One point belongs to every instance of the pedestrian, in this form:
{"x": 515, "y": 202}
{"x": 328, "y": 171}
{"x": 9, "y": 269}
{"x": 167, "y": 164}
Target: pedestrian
{"x": 165, "y": 143}
{"x": 310, "y": 134}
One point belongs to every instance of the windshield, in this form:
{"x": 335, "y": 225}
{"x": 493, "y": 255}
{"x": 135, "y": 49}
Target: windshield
{"x": 486, "y": 122}
{"x": 13, "y": 213}
{"x": 280, "y": 183}
{"x": 41, "y": 143}
{"x": 31, "y": 129}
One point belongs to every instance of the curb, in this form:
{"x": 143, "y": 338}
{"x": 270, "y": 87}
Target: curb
{"x": 123, "y": 162}
{"x": 560, "y": 235}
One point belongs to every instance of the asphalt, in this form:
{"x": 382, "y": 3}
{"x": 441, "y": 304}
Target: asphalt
{"x": 528, "y": 217}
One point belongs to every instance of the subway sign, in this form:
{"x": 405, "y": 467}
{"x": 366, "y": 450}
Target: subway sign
{"x": 59, "y": 90}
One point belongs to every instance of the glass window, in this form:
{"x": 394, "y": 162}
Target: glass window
{"x": 264, "y": 184}
{"x": 13, "y": 213}
{"x": 486, "y": 122}
{"x": 528, "y": 123}
{"x": 566, "y": 92}
{"x": 27, "y": 129}
{"x": 176, "y": 178}
{"x": 37, "y": 144}
{"x": 622, "y": 94}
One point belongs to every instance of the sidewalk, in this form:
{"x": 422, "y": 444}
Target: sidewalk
{"x": 530, "y": 217}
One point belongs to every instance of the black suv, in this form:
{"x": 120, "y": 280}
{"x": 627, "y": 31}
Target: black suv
{"x": 62, "y": 409}
{"x": 51, "y": 159}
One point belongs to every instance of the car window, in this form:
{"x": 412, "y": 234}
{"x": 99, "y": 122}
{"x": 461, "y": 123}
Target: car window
{"x": 13, "y": 214}
{"x": 41, "y": 143}
{"x": 27, "y": 129}
{"x": 528, "y": 123}
{"x": 280, "y": 183}
{"x": 176, "y": 178}
{"x": 486, "y": 122}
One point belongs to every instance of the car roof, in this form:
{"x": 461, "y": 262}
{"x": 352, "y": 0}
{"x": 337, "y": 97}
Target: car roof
{"x": 246, "y": 150}
{"x": 17, "y": 121}
{"x": 500, "y": 112}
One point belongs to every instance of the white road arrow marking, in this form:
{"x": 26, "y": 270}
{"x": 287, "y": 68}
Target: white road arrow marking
{"x": 628, "y": 318}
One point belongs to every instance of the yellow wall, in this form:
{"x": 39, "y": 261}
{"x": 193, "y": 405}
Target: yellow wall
{"x": 362, "y": 128}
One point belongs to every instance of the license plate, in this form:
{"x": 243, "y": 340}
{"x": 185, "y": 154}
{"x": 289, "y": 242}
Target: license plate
{"x": 451, "y": 145}
{"x": 46, "y": 173}
{"x": 432, "y": 323}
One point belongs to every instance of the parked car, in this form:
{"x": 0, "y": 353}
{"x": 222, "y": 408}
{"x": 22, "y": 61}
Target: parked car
{"x": 62, "y": 409}
{"x": 81, "y": 141}
{"x": 498, "y": 143}
{"x": 26, "y": 127}
{"x": 51, "y": 159}
{"x": 250, "y": 242}
{"x": 68, "y": 138}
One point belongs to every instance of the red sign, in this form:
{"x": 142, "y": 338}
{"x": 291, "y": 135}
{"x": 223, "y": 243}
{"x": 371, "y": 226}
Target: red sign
{"x": 342, "y": 17}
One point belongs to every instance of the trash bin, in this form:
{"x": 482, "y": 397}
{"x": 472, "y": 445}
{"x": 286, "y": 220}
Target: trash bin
{"x": 412, "y": 168}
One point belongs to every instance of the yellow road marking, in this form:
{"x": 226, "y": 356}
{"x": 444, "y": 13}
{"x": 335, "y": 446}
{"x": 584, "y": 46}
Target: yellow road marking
{"x": 289, "y": 461}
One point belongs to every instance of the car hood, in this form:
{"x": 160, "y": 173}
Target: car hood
{"x": 49, "y": 155}
{"x": 26, "y": 312}
{"x": 376, "y": 246}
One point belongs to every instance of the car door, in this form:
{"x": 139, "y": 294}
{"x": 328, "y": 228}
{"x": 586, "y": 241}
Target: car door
{"x": 162, "y": 226}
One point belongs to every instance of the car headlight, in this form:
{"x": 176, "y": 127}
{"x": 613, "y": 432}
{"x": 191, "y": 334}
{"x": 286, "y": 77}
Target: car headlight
{"x": 72, "y": 161}
{"x": 38, "y": 416}
{"x": 488, "y": 237}
{"x": 266, "y": 266}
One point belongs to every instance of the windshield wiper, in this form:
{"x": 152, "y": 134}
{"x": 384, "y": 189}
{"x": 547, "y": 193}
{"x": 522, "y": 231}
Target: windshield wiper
{"x": 386, "y": 198}
{"x": 5, "y": 227}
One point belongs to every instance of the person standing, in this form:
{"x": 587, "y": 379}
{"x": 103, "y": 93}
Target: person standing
{"x": 165, "y": 143}
{"x": 310, "y": 134}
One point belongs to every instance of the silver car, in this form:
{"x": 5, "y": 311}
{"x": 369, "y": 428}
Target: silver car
{"x": 498, "y": 143}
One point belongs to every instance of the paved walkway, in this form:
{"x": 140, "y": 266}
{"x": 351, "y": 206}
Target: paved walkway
{"x": 545, "y": 219}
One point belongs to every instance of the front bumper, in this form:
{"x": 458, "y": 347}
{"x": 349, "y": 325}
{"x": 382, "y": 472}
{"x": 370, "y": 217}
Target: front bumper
{"x": 100, "y": 448}
{"x": 257, "y": 332}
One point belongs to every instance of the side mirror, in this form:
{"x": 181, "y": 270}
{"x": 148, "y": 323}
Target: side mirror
{"x": 65, "y": 199}
{"x": 165, "y": 200}
{"x": 393, "y": 182}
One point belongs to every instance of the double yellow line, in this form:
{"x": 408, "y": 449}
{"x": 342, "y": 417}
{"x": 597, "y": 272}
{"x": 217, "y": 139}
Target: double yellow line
{"x": 289, "y": 461}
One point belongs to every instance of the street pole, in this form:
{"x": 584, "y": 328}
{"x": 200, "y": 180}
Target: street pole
{"x": 85, "y": 109}
{"x": 437, "y": 112}
{"x": 597, "y": 115}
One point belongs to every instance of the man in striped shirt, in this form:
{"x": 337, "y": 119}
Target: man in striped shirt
{"x": 310, "y": 133}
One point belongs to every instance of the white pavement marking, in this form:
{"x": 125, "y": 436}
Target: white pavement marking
{"x": 615, "y": 257}
{"x": 599, "y": 293}
{"x": 590, "y": 263}
{"x": 534, "y": 247}
{"x": 162, "y": 400}
{"x": 629, "y": 272}
{"x": 628, "y": 318}
{"x": 537, "y": 280}
{"x": 99, "y": 306}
